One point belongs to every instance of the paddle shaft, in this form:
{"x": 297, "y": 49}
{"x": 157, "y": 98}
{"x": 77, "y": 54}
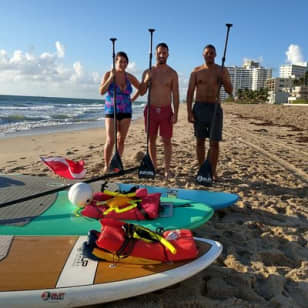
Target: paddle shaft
{"x": 48, "y": 192}
{"x": 114, "y": 96}
{"x": 149, "y": 86}
{"x": 220, "y": 80}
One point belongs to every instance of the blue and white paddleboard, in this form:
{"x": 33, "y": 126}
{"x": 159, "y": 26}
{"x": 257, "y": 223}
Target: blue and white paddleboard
{"x": 215, "y": 200}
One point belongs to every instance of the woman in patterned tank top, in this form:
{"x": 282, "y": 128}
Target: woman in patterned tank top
{"x": 123, "y": 86}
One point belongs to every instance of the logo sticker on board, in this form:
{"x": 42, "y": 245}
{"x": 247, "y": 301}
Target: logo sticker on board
{"x": 52, "y": 296}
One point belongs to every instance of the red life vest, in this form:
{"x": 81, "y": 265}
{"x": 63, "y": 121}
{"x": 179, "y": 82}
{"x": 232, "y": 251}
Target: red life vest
{"x": 143, "y": 206}
{"x": 117, "y": 238}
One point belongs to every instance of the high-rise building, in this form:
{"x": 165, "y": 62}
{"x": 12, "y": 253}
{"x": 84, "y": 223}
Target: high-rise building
{"x": 250, "y": 76}
{"x": 293, "y": 71}
{"x": 279, "y": 84}
{"x": 279, "y": 89}
{"x": 299, "y": 92}
{"x": 259, "y": 77}
{"x": 248, "y": 64}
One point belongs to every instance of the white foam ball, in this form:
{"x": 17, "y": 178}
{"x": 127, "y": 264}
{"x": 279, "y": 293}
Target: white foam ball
{"x": 80, "y": 194}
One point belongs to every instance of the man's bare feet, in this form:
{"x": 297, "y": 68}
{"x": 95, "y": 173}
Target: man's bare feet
{"x": 105, "y": 170}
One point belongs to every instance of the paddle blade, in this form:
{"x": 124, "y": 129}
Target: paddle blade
{"x": 116, "y": 163}
{"x": 205, "y": 176}
{"x": 146, "y": 169}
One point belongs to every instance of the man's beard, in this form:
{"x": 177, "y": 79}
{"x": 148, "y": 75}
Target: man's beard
{"x": 162, "y": 61}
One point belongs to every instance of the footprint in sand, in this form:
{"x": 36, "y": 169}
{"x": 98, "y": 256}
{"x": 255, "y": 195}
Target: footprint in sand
{"x": 275, "y": 257}
{"x": 12, "y": 170}
{"x": 223, "y": 284}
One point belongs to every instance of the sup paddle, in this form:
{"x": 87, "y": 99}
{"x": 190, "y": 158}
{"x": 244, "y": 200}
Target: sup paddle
{"x": 64, "y": 187}
{"x": 146, "y": 169}
{"x": 116, "y": 162}
{"x": 205, "y": 173}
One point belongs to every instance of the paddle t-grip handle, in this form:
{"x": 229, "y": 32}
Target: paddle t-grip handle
{"x": 226, "y": 44}
{"x": 151, "y": 46}
{"x": 113, "y": 39}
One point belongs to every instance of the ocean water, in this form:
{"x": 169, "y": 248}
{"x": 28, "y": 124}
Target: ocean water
{"x": 30, "y": 115}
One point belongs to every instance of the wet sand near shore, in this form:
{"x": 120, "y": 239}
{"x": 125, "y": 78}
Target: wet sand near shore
{"x": 264, "y": 159}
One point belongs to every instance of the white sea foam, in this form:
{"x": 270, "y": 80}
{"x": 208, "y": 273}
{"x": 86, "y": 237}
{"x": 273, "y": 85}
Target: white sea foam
{"x": 25, "y": 114}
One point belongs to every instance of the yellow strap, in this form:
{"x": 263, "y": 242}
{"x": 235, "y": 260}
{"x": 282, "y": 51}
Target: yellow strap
{"x": 123, "y": 210}
{"x": 77, "y": 212}
{"x": 156, "y": 236}
{"x": 168, "y": 245}
{"x": 136, "y": 236}
{"x": 119, "y": 204}
{"x": 117, "y": 194}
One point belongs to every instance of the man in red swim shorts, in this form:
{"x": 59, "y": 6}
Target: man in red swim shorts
{"x": 164, "y": 99}
{"x": 160, "y": 119}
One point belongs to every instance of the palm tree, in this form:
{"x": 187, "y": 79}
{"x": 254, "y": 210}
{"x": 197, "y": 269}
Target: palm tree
{"x": 240, "y": 94}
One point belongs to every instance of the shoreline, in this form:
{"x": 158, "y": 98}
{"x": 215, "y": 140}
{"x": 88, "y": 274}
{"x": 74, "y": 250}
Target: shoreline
{"x": 21, "y": 116}
{"x": 45, "y": 130}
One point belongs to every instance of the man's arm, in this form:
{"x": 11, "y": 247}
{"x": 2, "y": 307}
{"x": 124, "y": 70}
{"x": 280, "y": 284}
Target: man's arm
{"x": 227, "y": 82}
{"x": 190, "y": 96}
{"x": 175, "y": 97}
{"x": 144, "y": 83}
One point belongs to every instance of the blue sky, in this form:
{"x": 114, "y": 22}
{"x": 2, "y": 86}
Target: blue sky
{"x": 62, "y": 47}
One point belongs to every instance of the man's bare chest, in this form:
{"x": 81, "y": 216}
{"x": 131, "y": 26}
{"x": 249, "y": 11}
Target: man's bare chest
{"x": 161, "y": 80}
{"x": 207, "y": 79}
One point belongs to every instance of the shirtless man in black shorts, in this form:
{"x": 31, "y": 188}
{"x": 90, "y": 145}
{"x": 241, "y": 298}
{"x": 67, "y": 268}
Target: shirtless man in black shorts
{"x": 205, "y": 80}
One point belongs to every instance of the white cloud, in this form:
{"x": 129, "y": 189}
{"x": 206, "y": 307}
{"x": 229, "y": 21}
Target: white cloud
{"x": 17, "y": 58}
{"x": 78, "y": 71}
{"x": 60, "y": 49}
{"x": 25, "y": 73}
{"x": 294, "y": 55}
{"x": 132, "y": 68}
{"x": 3, "y": 54}
{"x": 96, "y": 77}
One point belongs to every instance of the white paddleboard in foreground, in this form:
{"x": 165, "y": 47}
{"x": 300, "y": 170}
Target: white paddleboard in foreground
{"x": 37, "y": 271}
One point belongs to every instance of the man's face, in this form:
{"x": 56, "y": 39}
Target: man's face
{"x": 209, "y": 55}
{"x": 162, "y": 55}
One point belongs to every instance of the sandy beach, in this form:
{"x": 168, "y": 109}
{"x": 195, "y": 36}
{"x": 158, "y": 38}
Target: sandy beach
{"x": 264, "y": 159}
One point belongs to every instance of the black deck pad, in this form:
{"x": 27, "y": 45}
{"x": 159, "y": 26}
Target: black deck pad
{"x": 13, "y": 187}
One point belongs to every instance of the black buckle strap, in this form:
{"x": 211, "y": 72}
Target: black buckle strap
{"x": 143, "y": 211}
{"x": 129, "y": 242}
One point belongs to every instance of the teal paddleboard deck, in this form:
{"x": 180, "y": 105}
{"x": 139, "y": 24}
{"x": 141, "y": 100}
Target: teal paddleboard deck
{"x": 215, "y": 200}
{"x": 61, "y": 219}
